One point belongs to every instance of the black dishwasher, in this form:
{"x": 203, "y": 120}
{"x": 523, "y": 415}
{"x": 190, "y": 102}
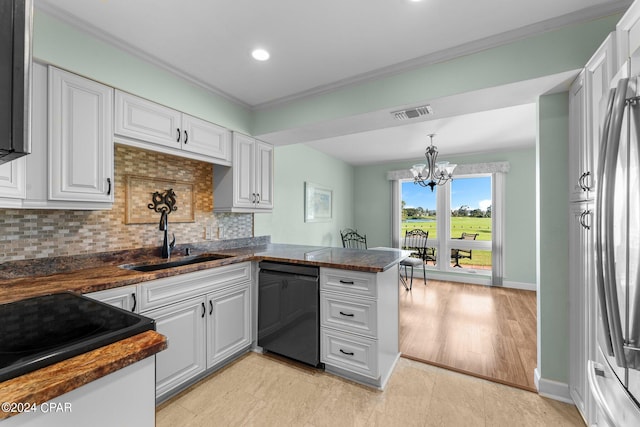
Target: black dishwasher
{"x": 288, "y": 311}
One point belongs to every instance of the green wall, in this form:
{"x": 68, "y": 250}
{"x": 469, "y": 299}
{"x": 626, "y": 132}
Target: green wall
{"x": 373, "y": 207}
{"x": 57, "y": 43}
{"x": 552, "y": 194}
{"x": 294, "y": 165}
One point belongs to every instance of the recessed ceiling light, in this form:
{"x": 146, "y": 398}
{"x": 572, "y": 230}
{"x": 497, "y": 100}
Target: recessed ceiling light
{"x": 260, "y": 55}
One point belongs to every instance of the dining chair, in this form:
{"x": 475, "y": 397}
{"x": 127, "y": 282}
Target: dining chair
{"x": 416, "y": 241}
{"x": 458, "y": 254}
{"x": 352, "y": 239}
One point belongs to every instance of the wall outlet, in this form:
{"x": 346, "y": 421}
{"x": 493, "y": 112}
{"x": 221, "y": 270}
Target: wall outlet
{"x": 220, "y": 232}
{"x": 208, "y": 232}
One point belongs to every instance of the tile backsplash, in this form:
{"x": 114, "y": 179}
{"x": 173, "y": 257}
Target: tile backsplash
{"x": 28, "y": 234}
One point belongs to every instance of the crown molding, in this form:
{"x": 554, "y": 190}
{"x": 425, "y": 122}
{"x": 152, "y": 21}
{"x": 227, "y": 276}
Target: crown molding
{"x": 475, "y": 46}
{"x": 138, "y": 53}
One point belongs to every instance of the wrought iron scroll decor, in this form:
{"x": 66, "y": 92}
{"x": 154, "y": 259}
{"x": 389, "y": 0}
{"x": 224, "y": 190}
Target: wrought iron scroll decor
{"x": 164, "y": 203}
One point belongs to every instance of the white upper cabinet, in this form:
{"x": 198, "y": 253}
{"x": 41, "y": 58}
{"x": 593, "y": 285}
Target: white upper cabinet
{"x": 588, "y": 97}
{"x": 141, "y": 119}
{"x": 628, "y": 34}
{"x": 248, "y": 185}
{"x": 12, "y": 183}
{"x": 577, "y": 140}
{"x": 169, "y": 131}
{"x": 208, "y": 139}
{"x": 80, "y": 138}
{"x": 264, "y": 175}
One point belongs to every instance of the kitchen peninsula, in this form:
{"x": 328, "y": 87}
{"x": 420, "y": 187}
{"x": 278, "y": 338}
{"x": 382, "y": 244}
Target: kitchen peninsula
{"x": 358, "y": 277}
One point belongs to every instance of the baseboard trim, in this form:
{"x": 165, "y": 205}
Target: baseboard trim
{"x": 552, "y": 389}
{"x": 477, "y": 280}
{"x": 519, "y": 285}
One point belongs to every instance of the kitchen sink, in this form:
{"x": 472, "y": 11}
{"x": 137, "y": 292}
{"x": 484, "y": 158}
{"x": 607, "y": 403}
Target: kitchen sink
{"x": 177, "y": 263}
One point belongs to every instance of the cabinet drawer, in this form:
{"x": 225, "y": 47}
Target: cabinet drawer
{"x": 352, "y": 282}
{"x": 349, "y": 314}
{"x": 125, "y": 297}
{"x": 158, "y": 293}
{"x": 350, "y": 352}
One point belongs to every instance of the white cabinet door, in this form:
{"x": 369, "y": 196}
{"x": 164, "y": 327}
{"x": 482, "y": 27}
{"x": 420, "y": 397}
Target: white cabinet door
{"x": 244, "y": 194}
{"x": 628, "y": 34}
{"x": 12, "y": 179}
{"x": 581, "y": 279}
{"x": 125, "y": 297}
{"x": 183, "y": 324}
{"x": 229, "y": 322}
{"x": 248, "y": 186}
{"x": 144, "y": 120}
{"x": 577, "y": 140}
{"x": 208, "y": 139}
{"x": 264, "y": 175}
{"x": 598, "y": 74}
{"x": 80, "y": 138}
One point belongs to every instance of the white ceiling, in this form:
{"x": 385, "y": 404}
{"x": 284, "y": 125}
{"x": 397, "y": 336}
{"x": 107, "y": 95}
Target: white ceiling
{"x": 320, "y": 45}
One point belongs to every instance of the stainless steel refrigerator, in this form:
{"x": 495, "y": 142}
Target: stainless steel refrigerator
{"x": 614, "y": 375}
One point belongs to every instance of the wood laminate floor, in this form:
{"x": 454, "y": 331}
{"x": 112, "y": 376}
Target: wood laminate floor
{"x": 258, "y": 390}
{"x": 480, "y": 330}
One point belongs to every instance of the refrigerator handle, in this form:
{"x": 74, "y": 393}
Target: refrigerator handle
{"x": 608, "y": 180}
{"x": 633, "y": 357}
{"x": 600, "y": 207}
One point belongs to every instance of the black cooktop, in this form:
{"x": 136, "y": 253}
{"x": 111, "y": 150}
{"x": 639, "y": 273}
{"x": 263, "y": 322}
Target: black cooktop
{"x": 40, "y": 331}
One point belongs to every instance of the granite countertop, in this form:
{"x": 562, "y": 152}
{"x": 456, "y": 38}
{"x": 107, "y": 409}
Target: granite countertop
{"x": 54, "y": 380}
{"x": 25, "y": 279}
{"x": 95, "y": 272}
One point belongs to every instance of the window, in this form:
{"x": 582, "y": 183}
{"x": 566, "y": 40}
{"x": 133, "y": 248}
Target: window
{"x": 461, "y": 218}
{"x": 470, "y": 221}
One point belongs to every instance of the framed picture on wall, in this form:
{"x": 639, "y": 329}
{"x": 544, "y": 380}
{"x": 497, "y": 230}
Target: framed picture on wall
{"x": 318, "y": 203}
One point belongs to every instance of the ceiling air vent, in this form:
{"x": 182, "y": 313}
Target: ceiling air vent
{"x": 412, "y": 113}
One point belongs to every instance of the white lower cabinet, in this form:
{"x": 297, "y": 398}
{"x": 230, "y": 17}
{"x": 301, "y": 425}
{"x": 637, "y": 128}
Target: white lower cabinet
{"x": 183, "y": 324}
{"x": 206, "y": 317}
{"x": 228, "y": 323}
{"x": 202, "y": 333}
{"x": 359, "y": 324}
{"x": 350, "y": 352}
{"x": 122, "y": 398}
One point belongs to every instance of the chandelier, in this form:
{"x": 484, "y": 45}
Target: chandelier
{"x": 434, "y": 172}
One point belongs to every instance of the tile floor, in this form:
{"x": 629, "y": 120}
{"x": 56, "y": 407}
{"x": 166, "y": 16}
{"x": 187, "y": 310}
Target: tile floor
{"x": 259, "y": 390}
